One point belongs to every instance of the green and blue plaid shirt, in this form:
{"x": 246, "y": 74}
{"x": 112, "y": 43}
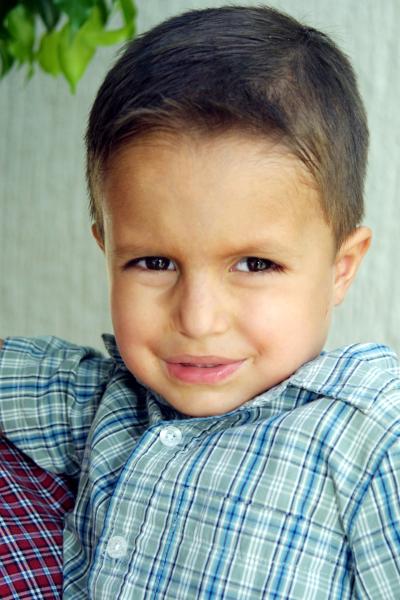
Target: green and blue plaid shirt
{"x": 296, "y": 494}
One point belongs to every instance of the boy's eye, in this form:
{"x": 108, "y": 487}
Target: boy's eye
{"x": 253, "y": 264}
{"x": 153, "y": 263}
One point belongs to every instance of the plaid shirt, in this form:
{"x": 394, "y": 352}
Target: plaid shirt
{"x": 294, "y": 495}
{"x": 32, "y": 507}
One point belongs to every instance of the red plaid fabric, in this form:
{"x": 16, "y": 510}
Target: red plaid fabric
{"x": 32, "y": 507}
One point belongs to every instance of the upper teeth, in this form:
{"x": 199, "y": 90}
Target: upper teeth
{"x": 200, "y": 366}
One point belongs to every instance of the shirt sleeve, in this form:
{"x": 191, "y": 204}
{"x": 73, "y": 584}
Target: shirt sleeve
{"x": 49, "y": 393}
{"x": 376, "y": 537}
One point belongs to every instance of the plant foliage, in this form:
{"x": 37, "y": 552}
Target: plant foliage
{"x": 60, "y": 36}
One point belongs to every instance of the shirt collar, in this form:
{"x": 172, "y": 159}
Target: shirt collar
{"x": 112, "y": 349}
{"x": 356, "y": 374}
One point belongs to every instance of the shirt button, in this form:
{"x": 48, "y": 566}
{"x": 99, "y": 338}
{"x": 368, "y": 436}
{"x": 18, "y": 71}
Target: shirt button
{"x": 170, "y": 436}
{"x": 117, "y": 546}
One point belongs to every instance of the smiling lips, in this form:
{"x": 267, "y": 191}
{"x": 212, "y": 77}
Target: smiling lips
{"x": 201, "y": 369}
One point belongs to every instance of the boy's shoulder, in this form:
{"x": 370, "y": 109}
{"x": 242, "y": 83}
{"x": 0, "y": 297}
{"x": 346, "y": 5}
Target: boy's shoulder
{"x": 52, "y": 361}
{"x": 350, "y": 403}
{"x": 347, "y": 417}
{"x": 351, "y": 393}
{"x": 45, "y": 346}
{"x": 360, "y": 375}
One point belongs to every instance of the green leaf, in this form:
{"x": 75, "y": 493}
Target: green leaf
{"x": 48, "y": 53}
{"x": 74, "y": 51}
{"x": 48, "y": 12}
{"x": 98, "y": 36}
{"x": 107, "y": 38}
{"x": 69, "y": 50}
{"x": 20, "y": 24}
{"x": 77, "y": 11}
{"x": 129, "y": 12}
{"x": 95, "y": 33}
{"x": 104, "y": 10}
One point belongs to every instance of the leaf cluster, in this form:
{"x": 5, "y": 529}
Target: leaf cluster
{"x": 60, "y": 36}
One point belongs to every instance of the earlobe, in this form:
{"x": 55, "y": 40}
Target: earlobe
{"x": 97, "y": 236}
{"x": 348, "y": 259}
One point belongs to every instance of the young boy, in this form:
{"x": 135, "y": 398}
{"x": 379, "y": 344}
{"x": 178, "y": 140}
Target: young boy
{"x": 220, "y": 453}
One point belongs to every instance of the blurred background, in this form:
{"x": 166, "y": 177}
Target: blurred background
{"x": 53, "y": 279}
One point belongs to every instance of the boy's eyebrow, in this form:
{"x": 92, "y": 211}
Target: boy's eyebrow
{"x": 262, "y": 247}
{"x": 130, "y": 249}
{"x": 267, "y": 249}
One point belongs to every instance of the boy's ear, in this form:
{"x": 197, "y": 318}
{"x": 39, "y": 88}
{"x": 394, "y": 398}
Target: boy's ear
{"x": 348, "y": 260}
{"x": 97, "y": 236}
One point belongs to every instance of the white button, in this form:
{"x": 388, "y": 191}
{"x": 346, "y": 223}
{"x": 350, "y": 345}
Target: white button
{"x": 170, "y": 436}
{"x": 117, "y": 546}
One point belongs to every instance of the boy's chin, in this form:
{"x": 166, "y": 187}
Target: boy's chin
{"x": 206, "y": 403}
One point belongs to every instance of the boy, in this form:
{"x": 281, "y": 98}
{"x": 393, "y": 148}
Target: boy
{"x": 220, "y": 454}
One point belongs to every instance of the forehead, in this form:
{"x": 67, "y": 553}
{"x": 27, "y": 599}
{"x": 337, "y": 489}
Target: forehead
{"x": 160, "y": 156}
{"x": 242, "y": 181}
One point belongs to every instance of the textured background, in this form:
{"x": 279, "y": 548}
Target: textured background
{"x": 52, "y": 274}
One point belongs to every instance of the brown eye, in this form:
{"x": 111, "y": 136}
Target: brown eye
{"x": 153, "y": 263}
{"x": 254, "y": 264}
{"x": 157, "y": 263}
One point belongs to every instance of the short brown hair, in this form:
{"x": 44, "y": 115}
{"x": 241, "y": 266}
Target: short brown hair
{"x": 254, "y": 69}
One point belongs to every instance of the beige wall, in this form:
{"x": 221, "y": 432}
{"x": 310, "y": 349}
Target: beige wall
{"x": 52, "y": 275}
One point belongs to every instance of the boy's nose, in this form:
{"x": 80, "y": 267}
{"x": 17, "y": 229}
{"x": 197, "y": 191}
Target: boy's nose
{"x": 200, "y": 309}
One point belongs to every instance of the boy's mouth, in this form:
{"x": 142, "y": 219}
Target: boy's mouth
{"x": 202, "y": 369}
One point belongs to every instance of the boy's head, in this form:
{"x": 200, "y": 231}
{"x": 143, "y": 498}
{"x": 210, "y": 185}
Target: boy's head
{"x": 226, "y": 158}
{"x": 249, "y": 69}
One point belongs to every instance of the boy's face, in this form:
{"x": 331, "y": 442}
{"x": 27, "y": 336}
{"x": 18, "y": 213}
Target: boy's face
{"x": 222, "y": 268}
